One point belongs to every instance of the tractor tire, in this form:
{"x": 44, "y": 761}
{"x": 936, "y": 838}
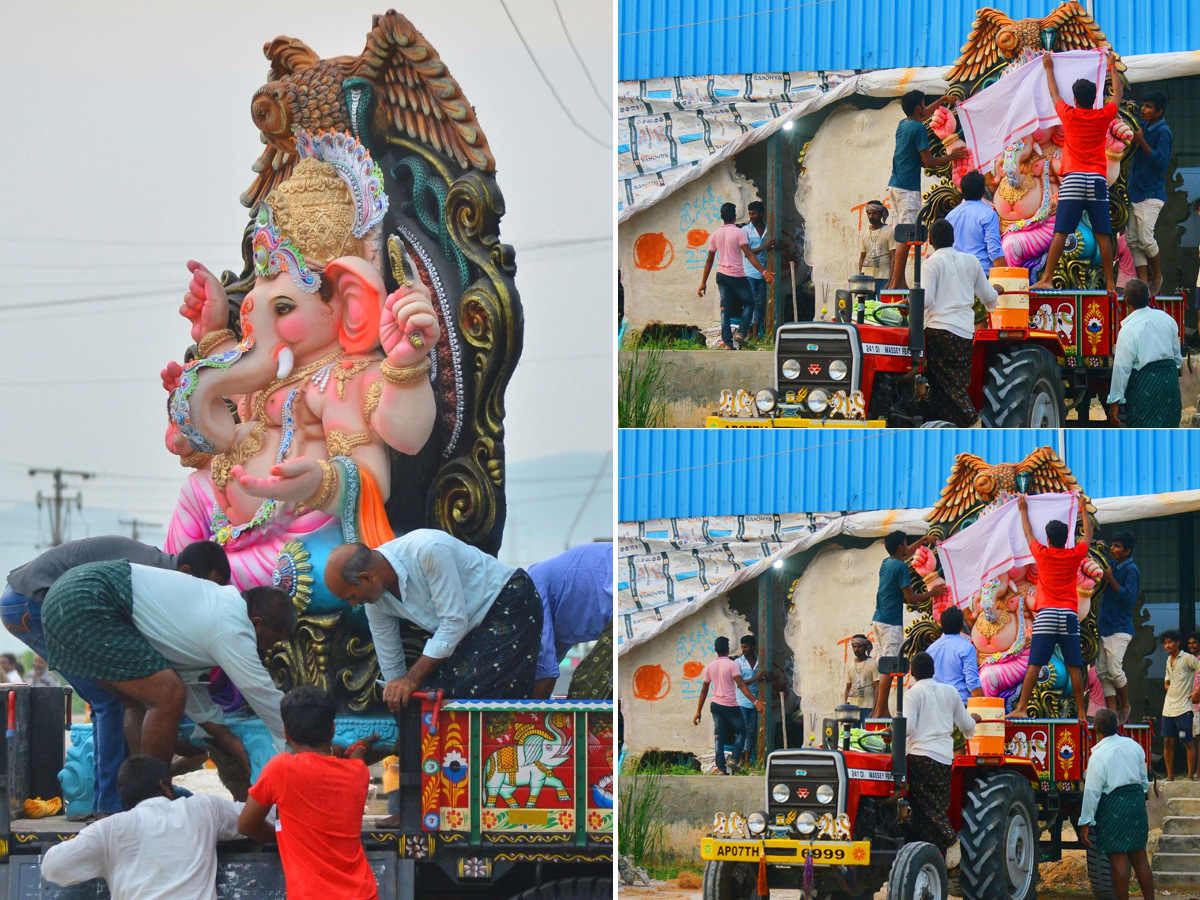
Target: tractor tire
{"x": 570, "y": 889}
{"x": 730, "y": 881}
{"x": 1023, "y": 388}
{"x": 1100, "y": 874}
{"x": 918, "y": 873}
{"x": 999, "y": 839}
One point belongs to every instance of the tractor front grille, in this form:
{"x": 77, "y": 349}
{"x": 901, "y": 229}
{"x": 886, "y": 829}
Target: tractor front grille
{"x": 803, "y": 771}
{"x": 814, "y": 346}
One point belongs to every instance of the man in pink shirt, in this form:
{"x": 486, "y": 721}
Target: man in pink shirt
{"x": 724, "y": 676}
{"x": 731, "y": 245}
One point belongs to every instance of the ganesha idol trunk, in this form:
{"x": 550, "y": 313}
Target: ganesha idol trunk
{"x": 1012, "y": 307}
{"x": 988, "y": 739}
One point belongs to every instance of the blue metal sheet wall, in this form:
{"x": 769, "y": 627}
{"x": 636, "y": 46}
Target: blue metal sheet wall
{"x": 697, "y": 472}
{"x": 658, "y": 38}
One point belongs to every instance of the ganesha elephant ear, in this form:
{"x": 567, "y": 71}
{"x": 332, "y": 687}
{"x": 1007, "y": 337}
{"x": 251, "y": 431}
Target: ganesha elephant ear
{"x": 361, "y": 286}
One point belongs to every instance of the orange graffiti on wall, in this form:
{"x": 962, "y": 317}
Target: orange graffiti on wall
{"x": 697, "y": 237}
{"x": 653, "y": 252}
{"x": 651, "y": 683}
{"x": 692, "y": 669}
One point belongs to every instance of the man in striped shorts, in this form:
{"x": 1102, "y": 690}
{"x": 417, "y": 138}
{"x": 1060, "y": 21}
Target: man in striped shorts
{"x": 1084, "y": 186}
{"x": 1056, "y": 606}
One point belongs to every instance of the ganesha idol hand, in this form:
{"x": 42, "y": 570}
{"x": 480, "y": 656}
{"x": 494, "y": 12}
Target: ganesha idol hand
{"x": 408, "y": 328}
{"x": 945, "y": 126}
{"x": 925, "y": 563}
{"x": 205, "y": 305}
{"x": 292, "y": 481}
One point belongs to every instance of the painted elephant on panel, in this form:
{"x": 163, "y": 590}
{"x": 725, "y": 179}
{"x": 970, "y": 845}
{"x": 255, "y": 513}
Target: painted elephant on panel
{"x": 529, "y": 762}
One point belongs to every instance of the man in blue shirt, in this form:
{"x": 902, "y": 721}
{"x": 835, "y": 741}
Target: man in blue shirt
{"x": 955, "y": 661}
{"x": 576, "y": 588}
{"x": 1148, "y": 188}
{"x": 750, "y": 667}
{"x": 1115, "y": 621}
{"x": 976, "y": 224}
{"x": 895, "y": 589}
{"x": 754, "y": 317}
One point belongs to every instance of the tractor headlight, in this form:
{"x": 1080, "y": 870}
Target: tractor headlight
{"x": 765, "y": 400}
{"x": 791, "y": 369}
{"x": 806, "y": 823}
{"x": 780, "y": 793}
{"x": 825, "y": 793}
{"x": 757, "y": 822}
{"x": 838, "y": 370}
{"x": 818, "y": 401}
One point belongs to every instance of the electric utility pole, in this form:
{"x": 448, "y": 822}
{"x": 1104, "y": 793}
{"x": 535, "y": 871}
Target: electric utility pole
{"x": 58, "y": 503}
{"x": 136, "y": 523}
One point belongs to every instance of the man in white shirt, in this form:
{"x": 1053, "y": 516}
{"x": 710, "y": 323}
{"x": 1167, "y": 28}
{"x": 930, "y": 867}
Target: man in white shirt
{"x": 161, "y": 848}
{"x": 1114, "y": 803}
{"x": 1179, "y": 681}
{"x": 151, "y": 636}
{"x": 952, "y": 281}
{"x": 933, "y": 710}
{"x": 1146, "y": 365}
{"x": 485, "y": 617}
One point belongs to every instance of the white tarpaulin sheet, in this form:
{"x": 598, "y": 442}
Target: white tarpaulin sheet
{"x": 673, "y": 130}
{"x": 668, "y": 569}
{"x": 996, "y": 542}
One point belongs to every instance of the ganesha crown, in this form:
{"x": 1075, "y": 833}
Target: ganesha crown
{"x": 355, "y": 167}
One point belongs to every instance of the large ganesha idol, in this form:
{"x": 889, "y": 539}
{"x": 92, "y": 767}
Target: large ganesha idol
{"x": 348, "y": 384}
{"x": 999, "y": 613}
{"x": 1023, "y": 181}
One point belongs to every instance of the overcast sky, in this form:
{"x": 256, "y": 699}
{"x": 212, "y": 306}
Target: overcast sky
{"x": 128, "y": 143}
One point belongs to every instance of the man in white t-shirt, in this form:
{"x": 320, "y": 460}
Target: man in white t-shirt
{"x": 862, "y": 677}
{"x": 1179, "y": 681}
{"x": 878, "y": 251}
{"x": 728, "y": 726}
{"x": 933, "y": 710}
{"x": 162, "y": 847}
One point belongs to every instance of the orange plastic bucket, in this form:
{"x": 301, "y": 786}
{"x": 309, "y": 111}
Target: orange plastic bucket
{"x": 1012, "y": 307}
{"x": 988, "y": 739}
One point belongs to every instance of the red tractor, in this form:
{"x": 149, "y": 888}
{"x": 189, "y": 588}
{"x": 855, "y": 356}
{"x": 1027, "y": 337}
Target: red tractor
{"x": 846, "y": 810}
{"x": 852, "y": 372}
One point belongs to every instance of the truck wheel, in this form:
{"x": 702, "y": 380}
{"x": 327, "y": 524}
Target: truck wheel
{"x": 918, "y": 873}
{"x": 1023, "y": 388}
{"x": 730, "y": 881}
{"x": 999, "y": 839}
{"x": 1100, "y": 874}
{"x": 570, "y": 889}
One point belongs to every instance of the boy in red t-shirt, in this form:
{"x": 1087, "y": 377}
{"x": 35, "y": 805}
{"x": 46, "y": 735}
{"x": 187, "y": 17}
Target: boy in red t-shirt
{"x": 1056, "y": 606}
{"x": 320, "y": 800}
{"x": 1084, "y": 185}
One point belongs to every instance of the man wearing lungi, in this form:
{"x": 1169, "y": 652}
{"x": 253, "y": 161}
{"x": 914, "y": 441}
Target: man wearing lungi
{"x": 485, "y": 617}
{"x": 151, "y": 636}
{"x": 933, "y": 709}
{"x": 1114, "y": 804}
{"x": 1146, "y": 365}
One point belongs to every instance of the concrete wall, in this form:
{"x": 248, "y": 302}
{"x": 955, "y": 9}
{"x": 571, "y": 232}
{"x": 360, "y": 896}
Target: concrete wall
{"x": 848, "y": 164}
{"x": 691, "y": 802}
{"x": 661, "y": 251}
{"x": 697, "y": 377}
{"x": 833, "y": 602}
{"x": 659, "y": 682}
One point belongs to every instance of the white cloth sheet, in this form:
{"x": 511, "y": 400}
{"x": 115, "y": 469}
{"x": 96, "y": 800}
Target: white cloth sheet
{"x": 996, "y": 543}
{"x": 1019, "y": 103}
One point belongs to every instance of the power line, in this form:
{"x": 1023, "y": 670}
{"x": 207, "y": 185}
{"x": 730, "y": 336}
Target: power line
{"x": 538, "y": 66}
{"x": 102, "y": 298}
{"x": 574, "y": 49}
{"x": 604, "y": 469}
{"x": 123, "y": 242}
{"x": 764, "y": 12}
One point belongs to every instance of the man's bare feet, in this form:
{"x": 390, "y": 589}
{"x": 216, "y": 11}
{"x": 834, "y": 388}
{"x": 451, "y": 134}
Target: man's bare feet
{"x": 1019, "y": 714}
{"x": 1042, "y": 285}
{"x": 1155, "y": 286}
{"x": 1123, "y": 715}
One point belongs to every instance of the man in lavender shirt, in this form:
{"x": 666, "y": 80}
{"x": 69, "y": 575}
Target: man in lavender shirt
{"x": 731, "y": 244}
{"x": 955, "y": 661}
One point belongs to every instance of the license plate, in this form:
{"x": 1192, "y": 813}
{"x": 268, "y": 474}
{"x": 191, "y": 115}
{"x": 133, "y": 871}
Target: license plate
{"x": 783, "y": 850}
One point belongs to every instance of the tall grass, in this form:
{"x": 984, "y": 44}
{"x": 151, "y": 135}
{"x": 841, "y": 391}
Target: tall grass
{"x": 642, "y": 815}
{"x": 642, "y": 390}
